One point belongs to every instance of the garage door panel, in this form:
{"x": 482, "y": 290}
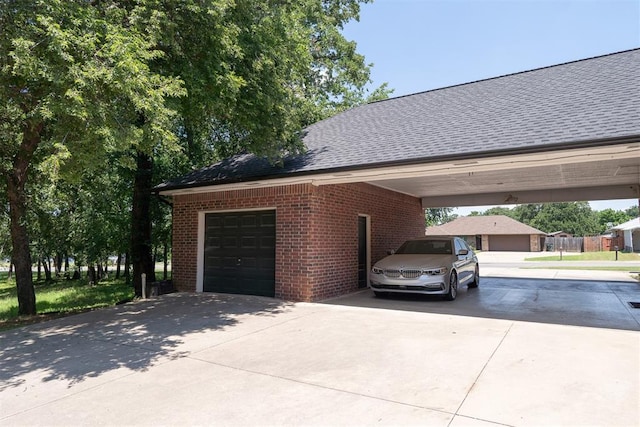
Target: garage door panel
{"x": 515, "y": 243}
{"x": 230, "y": 221}
{"x": 268, "y": 241}
{"x": 249, "y": 242}
{"x": 249, "y": 221}
{"x": 213, "y": 223}
{"x": 268, "y": 220}
{"x": 240, "y": 253}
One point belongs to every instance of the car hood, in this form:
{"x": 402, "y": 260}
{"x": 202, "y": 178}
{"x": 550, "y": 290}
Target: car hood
{"x": 415, "y": 261}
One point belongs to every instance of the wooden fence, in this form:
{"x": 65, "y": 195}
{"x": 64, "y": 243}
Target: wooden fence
{"x": 583, "y": 244}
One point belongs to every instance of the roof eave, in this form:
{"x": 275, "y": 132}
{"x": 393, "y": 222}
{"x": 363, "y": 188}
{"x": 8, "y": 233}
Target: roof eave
{"x": 306, "y": 176}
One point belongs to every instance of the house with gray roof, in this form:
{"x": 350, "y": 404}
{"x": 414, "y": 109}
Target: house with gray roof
{"x": 630, "y": 233}
{"x": 492, "y": 233}
{"x": 310, "y": 227}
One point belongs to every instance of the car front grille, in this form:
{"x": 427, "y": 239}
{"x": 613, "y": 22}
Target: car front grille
{"x": 405, "y": 274}
{"x": 429, "y": 288}
{"x": 411, "y": 274}
{"x": 392, "y": 273}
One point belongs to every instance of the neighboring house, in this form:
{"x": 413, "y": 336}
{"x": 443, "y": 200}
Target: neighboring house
{"x": 310, "y": 227}
{"x": 492, "y": 233}
{"x": 630, "y": 232}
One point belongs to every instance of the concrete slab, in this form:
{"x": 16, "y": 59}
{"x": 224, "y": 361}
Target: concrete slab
{"x": 192, "y": 392}
{"x": 559, "y": 375}
{"x": 187, "y": 359}
{"x": 567, "y": 302}
{"x": 414, "y": 358}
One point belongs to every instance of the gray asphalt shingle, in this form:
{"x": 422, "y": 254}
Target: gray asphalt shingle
{"x": 558, "y": 106}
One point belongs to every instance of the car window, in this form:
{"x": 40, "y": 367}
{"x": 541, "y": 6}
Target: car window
{"x": 459, "y": 245}
{"x": 426, "y": 247}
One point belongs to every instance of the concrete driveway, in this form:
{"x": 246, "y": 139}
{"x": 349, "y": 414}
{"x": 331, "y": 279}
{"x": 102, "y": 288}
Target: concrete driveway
{"x": 194, "y": 359}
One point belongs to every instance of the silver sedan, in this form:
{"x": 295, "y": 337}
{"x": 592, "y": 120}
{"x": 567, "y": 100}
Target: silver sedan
{"x": 434, "y": 265}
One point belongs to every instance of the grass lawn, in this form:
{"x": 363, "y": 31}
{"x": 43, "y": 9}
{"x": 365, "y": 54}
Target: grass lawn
{"x": 60, "y": 297}
{"x": 589, "y": 256}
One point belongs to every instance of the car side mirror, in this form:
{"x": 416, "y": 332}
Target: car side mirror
{"x": 391, "y": 251}
{"x": 463, "y": 252}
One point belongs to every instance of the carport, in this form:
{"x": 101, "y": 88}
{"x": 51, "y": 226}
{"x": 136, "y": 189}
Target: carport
{"x": 569, "y": 132}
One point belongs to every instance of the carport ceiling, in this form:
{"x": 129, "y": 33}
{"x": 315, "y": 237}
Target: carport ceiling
{"x": 599, "y": 173}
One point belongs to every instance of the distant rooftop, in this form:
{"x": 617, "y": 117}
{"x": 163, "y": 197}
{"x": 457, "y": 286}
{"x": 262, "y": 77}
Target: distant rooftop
{"x": 479, "y": 225}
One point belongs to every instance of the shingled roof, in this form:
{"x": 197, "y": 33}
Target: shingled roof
{"x": 576, "y": 104}
{"x": 479, "y": 225}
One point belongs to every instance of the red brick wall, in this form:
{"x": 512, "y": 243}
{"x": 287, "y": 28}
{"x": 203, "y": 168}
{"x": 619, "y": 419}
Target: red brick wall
{"x": 394, "y": 218}
{"x": 316, "y": 233}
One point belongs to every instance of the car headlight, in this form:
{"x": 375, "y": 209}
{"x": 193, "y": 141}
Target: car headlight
{"x": 440, "y": 271}
{"x": 377, "y": 270}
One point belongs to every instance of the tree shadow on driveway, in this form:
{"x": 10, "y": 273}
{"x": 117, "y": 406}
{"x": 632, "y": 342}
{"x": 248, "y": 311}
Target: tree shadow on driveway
{"x": 132, "y": 336}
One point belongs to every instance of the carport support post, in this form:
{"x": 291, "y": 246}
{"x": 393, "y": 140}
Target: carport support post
{"x": 144, "y": 285}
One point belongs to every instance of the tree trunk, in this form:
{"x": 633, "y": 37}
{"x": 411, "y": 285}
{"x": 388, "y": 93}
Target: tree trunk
{"x": 118, "y": 261}
{"x": 47, "y": 270}
{"x": 21, "y": 254}
{"x": 39, "y": 276}
{"x": 58, "y": 264}
{"x": 127, "y": 268}
{"x": 91, "y": 274}
{"x": 165, "y": 253}
{"x": 141, "y": 249}
{"x": 10, "y": 275}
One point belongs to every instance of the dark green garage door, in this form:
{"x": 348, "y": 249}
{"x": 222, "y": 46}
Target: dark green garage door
{"x": 239, "y": 253}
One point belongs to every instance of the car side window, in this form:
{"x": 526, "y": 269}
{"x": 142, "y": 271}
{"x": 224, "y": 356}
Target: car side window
{"x": 467, "y": 247}
{"x": 458, "y": 246}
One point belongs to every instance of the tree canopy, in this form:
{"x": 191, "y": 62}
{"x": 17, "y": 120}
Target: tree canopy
{"x": 95, "y": 95}
{"x": 576, "y": 218}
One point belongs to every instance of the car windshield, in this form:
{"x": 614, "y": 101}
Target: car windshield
{"x": 442, "y": 247}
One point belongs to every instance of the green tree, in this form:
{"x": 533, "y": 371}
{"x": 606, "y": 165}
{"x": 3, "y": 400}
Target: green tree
{"x": 499, "y": 210}
{"x": 83, "y": 82}
{"x": 438, "y": 216}
{"x": 632, "y": 211}
{"x": 74, "y": 75}
{"x": 527, "y": 213}
{"x": 609, "y": 217}
{"x": 576, "y": 218}
{"x": 256, "y": 72}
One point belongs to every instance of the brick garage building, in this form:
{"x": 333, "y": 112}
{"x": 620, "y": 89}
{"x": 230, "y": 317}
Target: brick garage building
{"x": 325, "y": 237}
{"x": 310, "y": 227}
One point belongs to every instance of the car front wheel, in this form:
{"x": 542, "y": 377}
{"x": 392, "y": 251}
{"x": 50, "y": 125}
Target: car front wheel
{"x": 476, "y": 278}
{"x": 453, "y": 287}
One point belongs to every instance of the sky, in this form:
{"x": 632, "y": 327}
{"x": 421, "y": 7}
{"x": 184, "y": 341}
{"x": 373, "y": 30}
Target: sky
{"x": 419, "y": 45}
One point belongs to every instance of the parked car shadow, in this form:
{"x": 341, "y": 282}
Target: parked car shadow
{"x": 134, "y": 336}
